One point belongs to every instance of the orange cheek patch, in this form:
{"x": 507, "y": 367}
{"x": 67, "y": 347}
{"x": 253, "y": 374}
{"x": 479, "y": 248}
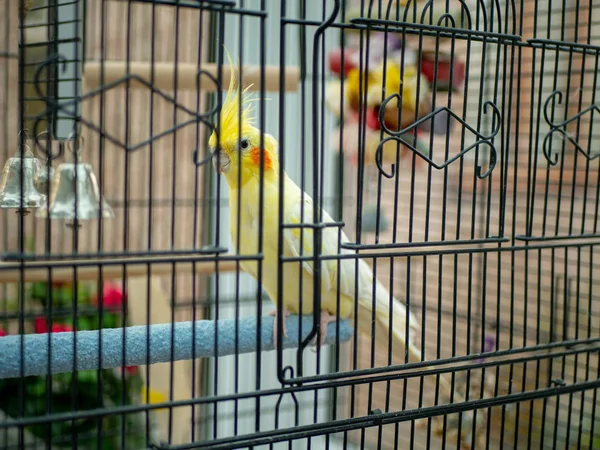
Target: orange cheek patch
{"x": 255, "y": 156}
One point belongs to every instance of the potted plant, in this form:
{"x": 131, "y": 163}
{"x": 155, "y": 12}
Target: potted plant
{"x": 49, "y": 308}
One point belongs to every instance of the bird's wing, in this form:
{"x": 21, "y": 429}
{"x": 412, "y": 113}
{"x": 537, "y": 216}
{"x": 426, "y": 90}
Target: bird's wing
{"x": 300, "y": 242}
{"x": 300, "y": 210}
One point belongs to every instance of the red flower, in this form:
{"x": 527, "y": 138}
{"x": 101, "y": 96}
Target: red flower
{"x": 131, "y": 370}
{"x": 112, "y": 295}
{"x": 372, "y": 119}
{"x": 61, "y": 328}
{"x": 444, "y": 69}
{"x": 335, "y": 61}
{"x": 3, "y": 332}
{"x": 41, "y": 326}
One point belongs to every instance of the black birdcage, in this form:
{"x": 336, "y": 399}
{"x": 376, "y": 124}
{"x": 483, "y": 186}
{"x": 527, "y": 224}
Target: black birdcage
{"x": 450, "y": 144}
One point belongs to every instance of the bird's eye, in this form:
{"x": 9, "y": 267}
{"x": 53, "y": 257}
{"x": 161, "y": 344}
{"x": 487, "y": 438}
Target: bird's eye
{"x": 244, "y": 144}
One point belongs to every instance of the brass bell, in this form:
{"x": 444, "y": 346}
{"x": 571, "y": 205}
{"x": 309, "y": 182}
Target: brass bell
{"x": 10, "y": 184}
{"x": 75, "y": 194}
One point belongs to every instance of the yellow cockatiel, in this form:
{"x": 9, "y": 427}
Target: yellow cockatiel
{"x": 237, "y": 156}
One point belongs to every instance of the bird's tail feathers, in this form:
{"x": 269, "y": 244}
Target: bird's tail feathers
{"x": 400, "y": 349}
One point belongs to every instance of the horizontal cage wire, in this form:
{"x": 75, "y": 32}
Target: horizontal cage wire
{"x": 335, "y": 224}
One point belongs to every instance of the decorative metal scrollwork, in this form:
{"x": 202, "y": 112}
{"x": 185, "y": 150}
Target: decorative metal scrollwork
{"x": 54, "y": 105}
{"x": 465, "y": 9}
{"x": 556, "y": 98}
{"x": 481, "y": 138}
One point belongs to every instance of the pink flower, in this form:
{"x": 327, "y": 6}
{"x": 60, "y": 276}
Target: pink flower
{"x": 112, "y": 295}
{"x": 3, "y": 332}
{"x": 41, "y": 326}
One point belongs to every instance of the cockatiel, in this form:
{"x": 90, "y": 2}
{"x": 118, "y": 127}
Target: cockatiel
{"x": 237, "y": 156}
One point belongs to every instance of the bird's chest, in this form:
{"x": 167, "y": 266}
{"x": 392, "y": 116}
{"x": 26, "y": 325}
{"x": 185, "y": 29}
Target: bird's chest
{"x": 245, "y": 229}
{"x": 248, "y": 228}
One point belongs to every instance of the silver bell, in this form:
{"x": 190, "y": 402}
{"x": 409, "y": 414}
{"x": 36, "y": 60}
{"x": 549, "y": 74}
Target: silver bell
{"x": 75, "y": 194}
{"x": 10, "y": 184}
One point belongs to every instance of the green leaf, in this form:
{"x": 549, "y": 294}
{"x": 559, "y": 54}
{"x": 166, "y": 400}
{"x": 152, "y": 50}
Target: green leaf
{"x": 86, "y": 323}
{"x": 67, "y": 294}
{"x": 37, "y": 389}
{"x": 83, "y": 294}
{"x": 111, "y": 320}
{"x": 39, "y": 291}
{"x": 87, "y": 376}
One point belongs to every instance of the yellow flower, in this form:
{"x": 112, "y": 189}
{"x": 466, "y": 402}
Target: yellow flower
{"x": 154, "y": 397}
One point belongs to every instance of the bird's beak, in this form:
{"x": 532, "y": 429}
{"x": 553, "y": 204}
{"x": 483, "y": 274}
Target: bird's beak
{"x": 220, "y": 161}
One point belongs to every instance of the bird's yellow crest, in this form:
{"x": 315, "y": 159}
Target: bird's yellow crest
{"x": 230, "y": 126}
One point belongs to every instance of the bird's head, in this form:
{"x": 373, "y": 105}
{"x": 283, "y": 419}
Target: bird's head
{"x": 236, "y": 142}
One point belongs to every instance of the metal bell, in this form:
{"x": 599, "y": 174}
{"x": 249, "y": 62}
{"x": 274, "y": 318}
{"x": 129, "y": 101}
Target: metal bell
{"x": 10, "y": 184}
{"x": 44, "y": 178}
{"x": 75, "y": 194}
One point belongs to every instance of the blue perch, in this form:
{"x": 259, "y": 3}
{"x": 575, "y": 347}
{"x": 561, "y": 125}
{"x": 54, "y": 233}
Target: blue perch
{"x": 36, "y": 355}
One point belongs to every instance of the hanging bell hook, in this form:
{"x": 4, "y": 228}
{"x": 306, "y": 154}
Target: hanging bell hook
{"x": 21, "y": 193}
{"x": 75, "y": 145}
{"x": 75, "y": 193}
{"x": 23, "y": 133}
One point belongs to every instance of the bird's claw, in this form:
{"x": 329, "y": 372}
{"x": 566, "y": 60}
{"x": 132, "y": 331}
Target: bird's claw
{"x": 274, "y": 313}
{"x": 326, "y": 318}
